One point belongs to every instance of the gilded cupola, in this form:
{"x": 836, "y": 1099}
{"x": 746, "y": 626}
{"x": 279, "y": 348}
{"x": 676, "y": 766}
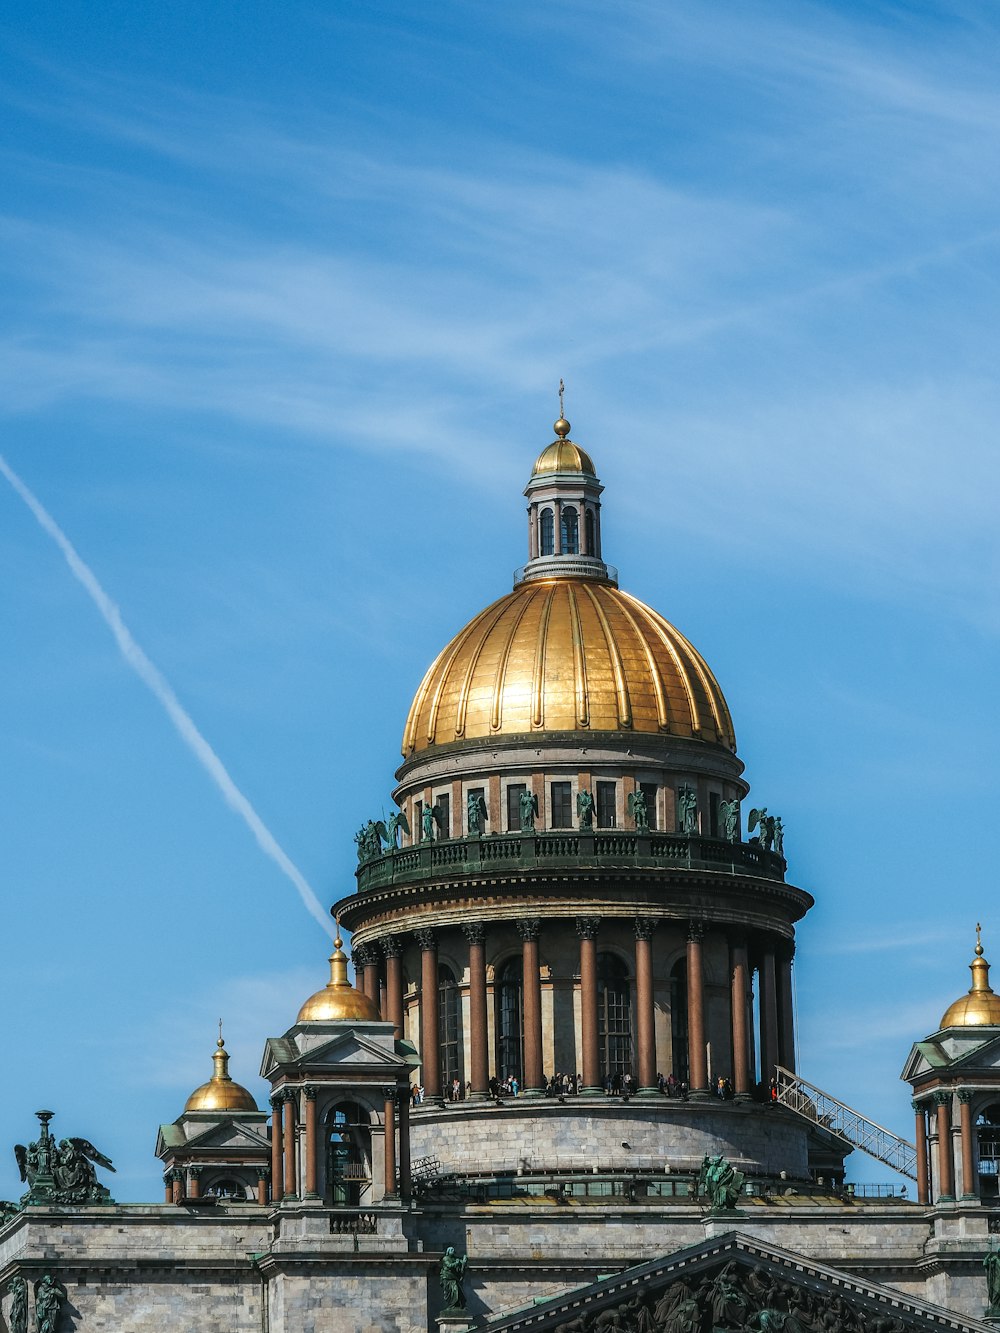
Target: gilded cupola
{"x": 981, "y": 1006}
{"x": 221, "y": 1093}
{"x": 339, "y": 1000}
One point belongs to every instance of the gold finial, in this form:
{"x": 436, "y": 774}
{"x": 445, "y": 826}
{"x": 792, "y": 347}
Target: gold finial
{"x": 220, "y": 1043}
{"x": 979, "y": 942}
{"x": 562, "y": 425}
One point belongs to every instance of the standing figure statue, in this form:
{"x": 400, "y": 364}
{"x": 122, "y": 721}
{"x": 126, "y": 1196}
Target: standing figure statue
{"x": 49, "y": 1296}
{"x": 477, "y": 813}
{"x": 585, "y": 809}
{"x": 388, "y": 831}
{"x": 687, "y": 809}
{"x": 427, "y": 823}
{"x": 766, "y": 824}
{"x": 638, "y": 809}
{"x": 991, "y": 1263}
{"x": 721, "y": 1182}
{"x": 779, "y": 836}
{"x": 730, "y": 811}
{"x": 452, "y": 1275}
{"x": 529, "y": 809}
{"x": 18, "y": 1318}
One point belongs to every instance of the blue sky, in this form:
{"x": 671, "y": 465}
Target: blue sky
{"x": 287, "y": 293}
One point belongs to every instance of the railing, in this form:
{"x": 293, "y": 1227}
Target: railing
{"x": 547, "y": 848}
{"x": 821, "y": 1108}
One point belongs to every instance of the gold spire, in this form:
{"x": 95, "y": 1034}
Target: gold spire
{"x": 220, "y": 1093}
{"x": 561, "y": 427}
{"x": 981, "y": 1006}
{"x": 339, "y": 1000}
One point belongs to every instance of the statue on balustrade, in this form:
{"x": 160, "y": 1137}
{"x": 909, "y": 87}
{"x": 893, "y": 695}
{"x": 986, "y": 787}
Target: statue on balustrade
{"x": 529, "y": 810}
{"x": 730, "y": 812}
{"x": 687, "y": 809}
{"x": 721, "y": 1182}
{"x": 388, "y": 832}
{"x": 429, "y": 816}
{"x": 477, "y": 812}
{"x": 585, "y": 809}
{"x": 760, "y": 819}
{"x": 779, "y": 836}
{"x": 369, "y": 840}
{"x": 61, "y": 1172}
{"x": 638, "y": 809}
{"x": 451, "y": 1277}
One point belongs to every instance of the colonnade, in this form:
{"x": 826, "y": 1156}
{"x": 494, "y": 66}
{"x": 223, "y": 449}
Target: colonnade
{"x": 935, "y": 1141}
{"x": 772, "y": 960}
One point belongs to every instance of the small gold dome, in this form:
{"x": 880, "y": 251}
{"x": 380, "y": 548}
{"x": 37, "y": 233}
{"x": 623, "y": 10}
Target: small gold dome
{"x": 220, "y": 1093}
{"x": 562, "y": 455}
{"x": 981, "y": 1007}
{"x": 567, "y": 654}
{"x": 339, "y": 1000}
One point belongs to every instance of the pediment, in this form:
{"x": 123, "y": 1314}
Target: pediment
{"x": 233, "y": 1137}
{"x": 735, "y": 1282}
{"x": 348, "y": 1051}
{"x": 944, "y": 1052}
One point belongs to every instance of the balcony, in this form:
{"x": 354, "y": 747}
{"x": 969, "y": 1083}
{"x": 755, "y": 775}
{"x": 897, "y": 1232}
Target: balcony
{"x": 499, "y": 853}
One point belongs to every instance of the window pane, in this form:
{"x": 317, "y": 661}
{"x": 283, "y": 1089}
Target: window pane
{"x": 561, "y": 803}
{"x": 508, "y": 1003}
{"x": 449, "y": 1028}
{"x": 649, "y": 790}
{"x": 614, "y": 1016}
{"x": 606, "y": 804}
{"x": 514, "y": 806}
{"x": 443, "y": 804}
{"x": 546, "y": 533}
{"x": 679, "y": 1020}
{"x": 570, "y": 531}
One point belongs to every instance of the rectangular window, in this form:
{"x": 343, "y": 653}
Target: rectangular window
{"x": 514, "y": 806}
{"x": 561, "y": 804}
{"x": 417, "y": 827}
{"x": 474, "y": 793}
{"x": 443, "y": 803}
{"x": 649, "y": 790}
{"x": 713, "y": 814}
{"x": 606, "y": 804}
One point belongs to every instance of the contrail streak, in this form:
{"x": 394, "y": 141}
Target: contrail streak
{"x": 158, "y": 686}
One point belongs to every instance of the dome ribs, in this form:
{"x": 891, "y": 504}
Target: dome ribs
{"x": 500, "y": 680}
{"x": 621, "y": 684}
{"x": 655, "y": 675}
{"x": 538, "y": 674}
{"x": 579, "y": 661}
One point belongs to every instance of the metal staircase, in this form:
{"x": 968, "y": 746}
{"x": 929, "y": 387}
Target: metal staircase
{"x": 814, "y": 1104}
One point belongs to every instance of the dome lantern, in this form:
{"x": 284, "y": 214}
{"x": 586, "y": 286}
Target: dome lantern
{"x": 339, "y": 1000}
{"x": 221, "y": 1093}
{"x": 981, "y": 1006}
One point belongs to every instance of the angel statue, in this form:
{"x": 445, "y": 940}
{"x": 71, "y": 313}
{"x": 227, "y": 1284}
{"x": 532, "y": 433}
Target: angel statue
{"x": 387, "y": 831}
{"x": 687, "y": 809}
{"x": 765, "y": 822}
{"x": 638, "y": 809}
{"x": 49, "y": 1296}
{"x": 529, "y": 809}
{"x": 429, "y": 816}
{"x": 61, "y": 1172}
{"x": 476, "y": 812}
{"x": 730, "y": 812}
{"x": 585, "y": 809}
{"x": 17, "y": 1319}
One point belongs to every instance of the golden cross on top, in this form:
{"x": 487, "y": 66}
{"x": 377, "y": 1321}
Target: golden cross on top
{"x": 562, "y": 390}
{"x": 978, "y": 932}
{"x": 220, "y": 1031}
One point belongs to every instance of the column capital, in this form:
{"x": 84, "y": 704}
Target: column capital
{"x": 587, "y": 927}
{"x": 276, "y": 1099}
{"x": 310, "y": 1090}
{"x": 426, "y": 938}
{"x": 528, "y": 927}
{"x": 392, "y": 946}
{"x": 263, "y": 1173}
{"x": 474, "y": 932}
{"x": 696, "y": 931}
{"x": 364, "y": 956}
{"x": 644, "y": 927}
{"x": 942, "y": 1098}
{"x": 195, "y": 1171}
{"x": 176, "y": 1173}
{"x": 965, "y": 1097}
{"x": 918, "y": 1106}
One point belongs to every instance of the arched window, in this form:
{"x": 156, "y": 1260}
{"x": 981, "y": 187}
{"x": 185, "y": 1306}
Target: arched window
{"x": 614, "y": 1015}
{"x": 546, "y": 533}
{"x": 226, "y": 1189}
{"x": 570, "y": 531}
{"x": 348, "y": 1151}
{"x": 988, "y": 1143}
{"x": 449, "y": 1027}
{"x": 591, "y": 533}
{"x": 507, "y": 991}
{"x": 679, "y": 1019}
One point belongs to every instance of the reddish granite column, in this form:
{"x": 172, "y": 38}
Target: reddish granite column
{"x": 479, "y": 1055}
{"x": 739, "y": 971}
{"x": 587, "y": 928}
{"x": 194, "y": 1175}
{"x": 177, "y": 1193}
{"x": 277, "y": 1149}
{"x": 389, "y": 1095}
{"x": 921, "y": 1141}
{"x": 405, "y": 1184}
{"x": 393, "y": 948}
{"x": 262, "y": 1174}
{"x": 168, "y": 1186}
{"x": 946, "y": 1161}
{"x": 291, "y": 1181}
{"x": 531, "y": 991}
{"x": 367, "y": 959}
{"x": 768, "y": 1014}
{"x": 310, "y": 1144}
{"x": 430, "y": 1051}
{"x": 697, "y": 1056}
{"x": 645, "y": 1023}
{"x": 969, "y": 1182}
{"x": 786, "y": 1018}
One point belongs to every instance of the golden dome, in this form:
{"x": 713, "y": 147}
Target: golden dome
{"x": 562, "y": 455}
{"x": 220, "y": 1093}
{"x": 981, "y": 1007}
{"x": 567, "y": 654}
{"x": 338, "y": 999}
